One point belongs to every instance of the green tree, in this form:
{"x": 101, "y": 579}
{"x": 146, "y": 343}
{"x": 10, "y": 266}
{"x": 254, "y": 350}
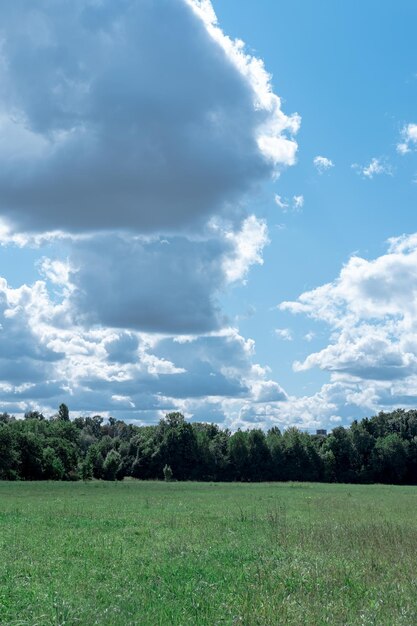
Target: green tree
{"x": 86, "y": 469}
{"x": 9, "y": 453}
{"x": 31, "y": 456}
{"x": 63, "y": 413}
{"x": 178, "y": 446}
{"x": 168, "y": 473}
{"x": 53, "y": 468}
{"x": 111, "y": 465}
{"x": 274, "y": 441}
{"x": 341, "y": 444}
{"x": 239, "y": 455}
{"x": 259, "y": 456}
{"x": 390, "y": 459}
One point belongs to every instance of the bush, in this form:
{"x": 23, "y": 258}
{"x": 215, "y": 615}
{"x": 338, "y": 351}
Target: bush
{"x": 168, "y": 475}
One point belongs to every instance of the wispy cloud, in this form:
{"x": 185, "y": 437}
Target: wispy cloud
{"x": 322, "y": 164}
{"x": 376, "y": 167}
{"x": 297, "y": 202}
{"x": 284, "y": 333}
{"x": 281, "y": 202}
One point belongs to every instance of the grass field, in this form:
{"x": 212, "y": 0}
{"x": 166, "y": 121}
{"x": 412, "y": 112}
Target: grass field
{"x": 192, "y": 553}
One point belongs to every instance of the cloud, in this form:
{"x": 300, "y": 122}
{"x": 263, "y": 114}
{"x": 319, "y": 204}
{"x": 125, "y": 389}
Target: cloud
{"x": 322, "y": 164}
{"x": 408, "y": 139}
{"x": 46, "y": 359}
{"x": 247, "y": 246}
{"x": 131, "y": 137}
{"x": 281, "y": 202}
{"x": 130, "y": 115}
{"x": 147, "y": 285}
{"x": 309, "y": 336}
{"x": 133, "y": 375}
{"x": 297, "y": 203}
{"x": 375, "y": 168}
{"x": 169, "y": 285}
{"x": 284, "y": 333}
{"x": 371, "y": 310}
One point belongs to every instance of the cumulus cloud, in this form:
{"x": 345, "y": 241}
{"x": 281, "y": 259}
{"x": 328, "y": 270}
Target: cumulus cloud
{"x": 135, "y": 115}
{"x": 148, "y": 285}
{"x": 408, "y": 139}
{"x": 131, "y": 134}
{"x": 371, "y": 310}
{"x": 322, "y": 164}
{"x": 247, "y": 246}
{"x": 169, "y": 285}
{"x": 46, "y": 359}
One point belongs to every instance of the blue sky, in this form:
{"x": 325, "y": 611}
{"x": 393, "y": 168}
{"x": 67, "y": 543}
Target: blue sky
{"x": 193, "y": 223}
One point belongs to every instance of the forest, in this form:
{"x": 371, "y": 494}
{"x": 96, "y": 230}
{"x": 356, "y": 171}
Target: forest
{"x": 380, "y": 449}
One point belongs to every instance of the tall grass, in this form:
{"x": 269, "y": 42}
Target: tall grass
{"x": 137, "y": 553}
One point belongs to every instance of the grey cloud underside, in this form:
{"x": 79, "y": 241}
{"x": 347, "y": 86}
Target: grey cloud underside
{"x": 163, "y": 287}
{"x": 134, "y": 117}
{"x": 123, "y": 349}
{"x": 200, "y": 382}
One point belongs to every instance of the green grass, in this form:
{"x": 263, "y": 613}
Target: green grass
{"x": 207, "y": 554}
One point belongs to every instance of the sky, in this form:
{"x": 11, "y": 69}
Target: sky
{"x": 208, "y": 207}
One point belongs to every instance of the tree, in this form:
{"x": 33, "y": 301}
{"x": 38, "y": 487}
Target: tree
{"x": 274, "y": 441}
{"x": 168, "y": 474}
{"x": 111, "y": 465}
{"x": 390, "y": 459}
{"x": 9, "y": 453}
{"x": 34, "y": 415}
{"x": 63, "y": 413}
{"x": 178, "y": 446}
{"x": 53, "y": 468}
{"x": 239, "y": 455}
{"x": 86, "y": 469}
{"x": 31, "y": 456}
{"x": 340, "y": 443}
{"x": 259, "y": 456}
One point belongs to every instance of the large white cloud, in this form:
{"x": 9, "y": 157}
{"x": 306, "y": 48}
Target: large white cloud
{"x": 134, "y": 114}
{"x": 371, "y": 310}
{"x": 140, "y": 118}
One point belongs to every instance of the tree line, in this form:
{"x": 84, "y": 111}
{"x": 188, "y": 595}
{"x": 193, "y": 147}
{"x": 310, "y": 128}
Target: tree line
{"x": 382, "y": 449}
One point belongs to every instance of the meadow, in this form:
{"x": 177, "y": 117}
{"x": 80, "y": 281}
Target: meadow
{"x": 154, "y": 553}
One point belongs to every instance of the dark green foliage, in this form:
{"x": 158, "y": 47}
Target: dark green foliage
{"x": 63, "y": 413}
{"x": 382, "y": 448}
{"x": 341, "y": 445}
{"x": 178, "y": 446}
{"x": 9, "y": 454}
{"x": 239, "y": 455}
{"x": 111, "y": 465}
{"x": 390, "y": 459}
{"x": 168, "y": 475}
{"x": 259, "y": 456}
